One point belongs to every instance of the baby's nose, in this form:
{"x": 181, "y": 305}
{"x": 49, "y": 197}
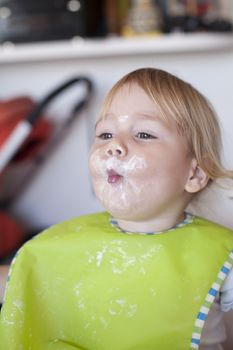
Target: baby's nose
{"x": 116, "y": 149}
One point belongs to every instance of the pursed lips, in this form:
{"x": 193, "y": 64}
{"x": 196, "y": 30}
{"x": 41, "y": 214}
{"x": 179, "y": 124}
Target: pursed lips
{"x": 113, "y": 176}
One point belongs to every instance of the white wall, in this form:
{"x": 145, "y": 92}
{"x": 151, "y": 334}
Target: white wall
{"x": 61, "y": 188}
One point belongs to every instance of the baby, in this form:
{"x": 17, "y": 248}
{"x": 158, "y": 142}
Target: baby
{"x": 146, "y": 274}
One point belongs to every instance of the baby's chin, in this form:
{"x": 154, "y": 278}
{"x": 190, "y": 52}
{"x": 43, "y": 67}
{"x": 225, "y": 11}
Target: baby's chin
{"x": 120, "y": 199}
{"x": 117, "y": 210}
{"x": 127, "y": 213}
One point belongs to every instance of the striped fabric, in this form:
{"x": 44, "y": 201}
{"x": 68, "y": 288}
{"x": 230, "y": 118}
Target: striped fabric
{"x": 202, "y": 315}
{"x": 187, "y": 220}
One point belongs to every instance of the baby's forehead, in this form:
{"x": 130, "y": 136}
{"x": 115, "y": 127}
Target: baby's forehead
{"x": 128, "y": 100}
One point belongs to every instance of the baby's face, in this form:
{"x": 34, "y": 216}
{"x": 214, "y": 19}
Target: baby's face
{"x": 139, "y": 164}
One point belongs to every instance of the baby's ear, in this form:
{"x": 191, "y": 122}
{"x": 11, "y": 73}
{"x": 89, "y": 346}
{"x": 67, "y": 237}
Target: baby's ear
{"x": 197, "y": 179}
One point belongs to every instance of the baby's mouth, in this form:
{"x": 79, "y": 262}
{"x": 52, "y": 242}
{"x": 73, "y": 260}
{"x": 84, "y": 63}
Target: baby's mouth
{"x": 113, "y": 176}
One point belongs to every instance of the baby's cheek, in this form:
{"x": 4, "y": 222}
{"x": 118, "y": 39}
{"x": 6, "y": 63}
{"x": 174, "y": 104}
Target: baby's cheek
{"x": 142, "y": 175}
{"x": 136, "y": 166}
{"x": 95, "y": 163}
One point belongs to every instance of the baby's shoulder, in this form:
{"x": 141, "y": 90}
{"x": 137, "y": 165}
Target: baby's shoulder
{"x": 67, "y": 231}
{"x": 211, "y": 229}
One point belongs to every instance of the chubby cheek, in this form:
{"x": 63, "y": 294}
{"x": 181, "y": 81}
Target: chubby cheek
{"x": 95, "y": 163}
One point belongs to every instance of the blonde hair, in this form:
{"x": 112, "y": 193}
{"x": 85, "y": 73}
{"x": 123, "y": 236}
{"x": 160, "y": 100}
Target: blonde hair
{"x": 193, "y": 114}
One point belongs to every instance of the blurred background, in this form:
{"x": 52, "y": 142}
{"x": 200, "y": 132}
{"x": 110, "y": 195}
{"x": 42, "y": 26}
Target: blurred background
{"x": 58, "y": 58}
{"x": 29, "y": 21}
{"x": 46, "y": 44}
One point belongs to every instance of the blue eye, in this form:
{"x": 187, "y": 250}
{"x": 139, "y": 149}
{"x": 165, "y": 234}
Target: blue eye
{"x": 105, "y": 136}
{"x": 145, "y": 136}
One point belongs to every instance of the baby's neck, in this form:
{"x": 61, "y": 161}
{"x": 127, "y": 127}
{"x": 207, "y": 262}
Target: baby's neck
{"x": 151, "y": 225}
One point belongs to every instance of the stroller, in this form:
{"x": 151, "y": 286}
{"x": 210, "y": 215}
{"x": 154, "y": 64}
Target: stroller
{"x": 26, "y": 134}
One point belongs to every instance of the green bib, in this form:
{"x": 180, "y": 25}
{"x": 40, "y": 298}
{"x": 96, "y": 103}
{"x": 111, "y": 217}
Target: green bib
{"x": 85, "y": 285}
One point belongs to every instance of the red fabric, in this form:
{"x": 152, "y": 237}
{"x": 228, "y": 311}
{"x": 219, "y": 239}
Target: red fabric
{"x": 34, "y": 142}
{"x": 11, "y": 234}
{"x": 9, "y": 109}
{"x": 11, "y": 113}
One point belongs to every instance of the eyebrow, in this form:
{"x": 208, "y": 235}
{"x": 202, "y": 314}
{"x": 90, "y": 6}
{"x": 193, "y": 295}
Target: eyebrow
{"x": 143, "y": 116}
{"x": 102, "y": 118}
{"x": 98, "y": 121}
{"x": 152, "y": 117}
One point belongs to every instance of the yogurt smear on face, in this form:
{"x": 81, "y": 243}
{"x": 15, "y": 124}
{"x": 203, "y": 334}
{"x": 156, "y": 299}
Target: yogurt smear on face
{"x": 113, "y": 181}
